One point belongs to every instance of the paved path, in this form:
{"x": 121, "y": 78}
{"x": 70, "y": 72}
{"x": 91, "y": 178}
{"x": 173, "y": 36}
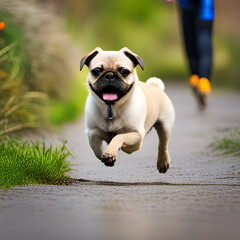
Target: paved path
{"x": 198, "y": 198}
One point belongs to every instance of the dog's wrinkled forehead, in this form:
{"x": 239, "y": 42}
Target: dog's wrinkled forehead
{"x": 111, "y": 60}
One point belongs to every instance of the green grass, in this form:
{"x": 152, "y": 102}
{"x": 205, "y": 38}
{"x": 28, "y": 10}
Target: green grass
{"x": 228, "y": 145}
{"x": 24, "y": 163}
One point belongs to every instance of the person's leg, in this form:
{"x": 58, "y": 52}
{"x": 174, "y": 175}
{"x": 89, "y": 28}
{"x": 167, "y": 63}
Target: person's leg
{"x": 204, "y": 25}
{"x": 197, "y": 18}
{"x": 188, "y": 19}
{"x": 204, "y": 47}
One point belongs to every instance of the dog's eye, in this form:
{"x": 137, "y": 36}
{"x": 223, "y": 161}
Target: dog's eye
{"x": 124, "y": 72}
{"x": 96, "y": 71}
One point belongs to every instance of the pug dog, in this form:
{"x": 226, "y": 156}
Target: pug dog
{"x": 121, "y": 110}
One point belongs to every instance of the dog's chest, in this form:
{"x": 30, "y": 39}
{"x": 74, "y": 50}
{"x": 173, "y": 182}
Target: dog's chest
{"x": 127, "y": 117}
{"x": 116, "y": 124}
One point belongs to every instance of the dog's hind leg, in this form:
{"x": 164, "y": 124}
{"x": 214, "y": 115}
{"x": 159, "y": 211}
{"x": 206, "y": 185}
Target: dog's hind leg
{"x": 163, "y": 161}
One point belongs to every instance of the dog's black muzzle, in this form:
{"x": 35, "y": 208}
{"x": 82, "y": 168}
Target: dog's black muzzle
{"x": 111, "y": 85}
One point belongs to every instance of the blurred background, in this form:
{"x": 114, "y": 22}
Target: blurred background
{"x": 42, "y": 42}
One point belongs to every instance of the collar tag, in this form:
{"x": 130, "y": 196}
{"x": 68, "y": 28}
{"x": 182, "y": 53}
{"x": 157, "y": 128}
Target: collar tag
{"x": 110, "y": 112}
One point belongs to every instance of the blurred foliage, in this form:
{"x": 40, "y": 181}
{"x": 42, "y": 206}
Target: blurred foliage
{"x": 19, "y": 108}
{"x": 226, "y": 67}
{"x": 151, "y": 28}
{"x": 45, "y": 60}
{"x": 65, "y": 110}
{"x": 36, "y": 59}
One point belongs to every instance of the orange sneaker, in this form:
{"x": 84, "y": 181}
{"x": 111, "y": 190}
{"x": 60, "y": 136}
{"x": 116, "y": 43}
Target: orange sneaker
{"x": 194, "y": 79}
{"x": 204, "y": 86}
{"x": 204, "y": 89}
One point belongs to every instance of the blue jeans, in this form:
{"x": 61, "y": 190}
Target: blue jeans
{"x": 197, "y": 33}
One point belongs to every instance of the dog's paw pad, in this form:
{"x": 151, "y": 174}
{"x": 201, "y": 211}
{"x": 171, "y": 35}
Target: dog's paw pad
{"x": 108, "y": 159}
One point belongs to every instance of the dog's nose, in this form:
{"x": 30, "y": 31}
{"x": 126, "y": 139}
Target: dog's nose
{"x": 110, "y": 76}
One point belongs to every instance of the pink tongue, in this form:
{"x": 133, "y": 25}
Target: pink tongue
{"x": 110, "y": 96}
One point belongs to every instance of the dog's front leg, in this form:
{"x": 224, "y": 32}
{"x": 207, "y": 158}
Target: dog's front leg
{"x": 95, "y": 142}
{"x": 128, "y": 142}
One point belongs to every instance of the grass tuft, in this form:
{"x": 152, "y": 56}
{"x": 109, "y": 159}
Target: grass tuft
{"x": 24, "y": 163}
{"x": 228, "y": 145}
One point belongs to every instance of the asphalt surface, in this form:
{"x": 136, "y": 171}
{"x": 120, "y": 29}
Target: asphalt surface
{"x": 198, "y": 198}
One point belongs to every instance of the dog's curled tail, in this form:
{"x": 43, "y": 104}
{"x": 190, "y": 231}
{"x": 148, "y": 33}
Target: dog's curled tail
{"x": 157, "y": 82}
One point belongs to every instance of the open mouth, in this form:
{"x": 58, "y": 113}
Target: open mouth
{"x": 111, "y": 94}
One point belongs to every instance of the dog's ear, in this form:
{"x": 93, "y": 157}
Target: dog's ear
{"x": 133, "y": 57}
{"x": 88, "y": 58}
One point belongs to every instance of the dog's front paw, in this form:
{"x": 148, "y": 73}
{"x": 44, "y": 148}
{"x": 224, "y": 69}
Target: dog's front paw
{"x": 163, "y": 162}
{"x": 163, "y": 167}
{"x": 108, "y": 159}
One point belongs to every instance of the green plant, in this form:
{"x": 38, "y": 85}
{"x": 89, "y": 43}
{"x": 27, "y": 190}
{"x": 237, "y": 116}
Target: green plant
{"x": 19, "y": 108}
{"x": 43, "y": 51}
{"x": 24, "y": 163}
{"x": 35, "y": 65}
{"x": 228, "y": 145}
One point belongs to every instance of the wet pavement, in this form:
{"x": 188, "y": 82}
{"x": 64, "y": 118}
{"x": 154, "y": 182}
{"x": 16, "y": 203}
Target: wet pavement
{"x": 198, "y": 198}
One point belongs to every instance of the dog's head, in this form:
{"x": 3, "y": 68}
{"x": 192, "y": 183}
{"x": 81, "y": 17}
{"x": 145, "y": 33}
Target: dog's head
{"x": 112, "y": 74}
